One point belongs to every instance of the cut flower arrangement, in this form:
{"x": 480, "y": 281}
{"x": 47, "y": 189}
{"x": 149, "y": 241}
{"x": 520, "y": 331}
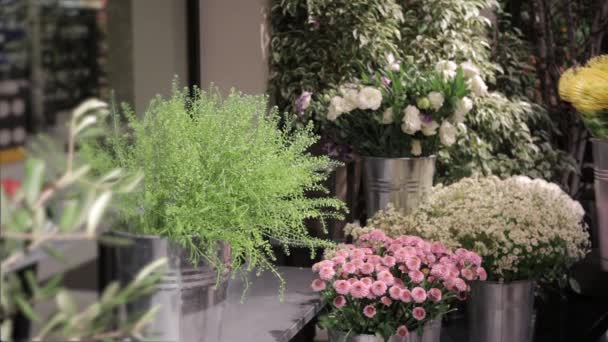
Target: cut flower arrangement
{"x": 524, "y": 229}
{"x": 402, "y": 112}
{"x": 384, "y": 286}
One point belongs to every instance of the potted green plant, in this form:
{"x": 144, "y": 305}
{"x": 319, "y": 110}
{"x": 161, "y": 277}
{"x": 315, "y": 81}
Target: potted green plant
{"x": 587, "y": 89}
{"x": 223, "y": 180}
{"x": 527, "y": 231}
{"x": 397, "y": 119}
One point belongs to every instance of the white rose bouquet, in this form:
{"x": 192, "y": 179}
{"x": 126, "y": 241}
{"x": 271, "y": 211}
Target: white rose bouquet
{"x": 523, "y": 228}
{"x": 402, "y": 112}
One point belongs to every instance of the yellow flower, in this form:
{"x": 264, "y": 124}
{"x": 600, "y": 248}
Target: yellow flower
{"x": 587, "y": 87}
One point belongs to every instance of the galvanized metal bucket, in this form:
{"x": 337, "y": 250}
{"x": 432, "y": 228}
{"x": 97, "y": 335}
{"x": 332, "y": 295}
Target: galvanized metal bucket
{"x": 404, "y": 182}
{"x": 189, "y": 297}
{"x": 431, "y": 333}
{"x": 501, "y": 312}
{"x": 600, "y": 167}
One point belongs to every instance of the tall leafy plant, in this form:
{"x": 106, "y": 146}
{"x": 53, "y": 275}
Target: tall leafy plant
{"x": 219, "y": 171}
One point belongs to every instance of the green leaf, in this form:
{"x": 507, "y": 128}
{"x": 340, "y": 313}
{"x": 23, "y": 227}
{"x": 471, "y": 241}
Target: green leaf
{"x": 27, "y": 310}
{"x": 96, "y": 212}
{"x": 66, "y": 303}
{"x": 34, "y": 176}
{"x": 69, "y": 215}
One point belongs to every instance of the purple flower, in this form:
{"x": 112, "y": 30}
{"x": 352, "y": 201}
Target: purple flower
{"x": 427, "y": 118}
{"x": 385, "y": 81}
{"x": 303, "y": 102}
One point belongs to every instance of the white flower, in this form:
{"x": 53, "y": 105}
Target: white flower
{"x": 393, "y": 64}
{"x": 416, "y": 148}
{"x": 411, "y": 120}
{"x": 436, "y": 99}
{"x": 369, "y": 98}
{"x": 463, "y": 106}
{"x": 478, "y": 86}
{"x": 469, "y": 69}
{"x": 429, "y": 128}
{"x": 387, "y": 116}
{"x": 336, "y": 108}
{"x": 446, "y": 68}
{"x": 351, "y": 98}
{"x": 447, "y": 133}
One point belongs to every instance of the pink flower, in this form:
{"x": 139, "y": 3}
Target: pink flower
{"x": 455, "y": 284}
{"x": 367, "y": 268}
{"x": 343, "y": 253}
{"x": 326, "y": 273}
{"x": 467, "y": 274}
{"x": 399, "y": 283}
{"x": 395, "y": 292}
{"x": 438, "y": 248}
{"x": 481, "y": 273}
{"x": 358, "y": 262}
{"x": 367, "y": 281}
{"x": 379, "y": 288}
{"x": 386, "y": 301}
{"x": 389, "y": 261}
{"x": 413, "y": 263}
{"x": 440, "y": 271}
{"x": 374, "y": 259}
{"x": 349, "y": 267}
{"x": 472, "y": 258}
{"x": 418, "y": 294}
{"x": 402, "y": 331}
{"x": 369, "y": 311}
{"x": 386, "y": 277}
{"x": 380, "y": 268}
{"x": 357, "y": 254}
{"x": 338, "y": 260}
{"x": 434, "y": 295}
{"x": 339, "y": 302}
{"x": 359, "y": 290}
{"x": 342, "y": 287}
{"x": 318, "y": 285}
{"x": 419, "y": 313}
{"x": 430, "y": 279}
{"x": 416, "y": 276}
{"x": 325, "y": 263}
{"x": 405, "y": 296}
{"x": 352, "y": 280}
{"x": 430, "y": 258}
{"x": 377, "y": 235}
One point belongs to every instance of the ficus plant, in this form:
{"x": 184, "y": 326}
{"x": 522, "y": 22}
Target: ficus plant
{"x": 78, "y": 201}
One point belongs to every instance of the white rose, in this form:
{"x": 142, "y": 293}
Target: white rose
{"x": 463, "y": 106}
{"x": 429, "y": 128}
{"x": 411, "y": 120}
{"x": 446, "y": 68}
{"x": 393, "y": 64}
{"x": 351, "y": 100}
{"x": 369, "y": 98}
{"x": 478, "y": 86}
{"x": 336, "y": 108}
{"x": 447, "y": 133}
{"x": 469, "y": 69}
{"x": 416, "y": 148}
{"x": 388, "y": 116}
{"x": 436, "y": 99}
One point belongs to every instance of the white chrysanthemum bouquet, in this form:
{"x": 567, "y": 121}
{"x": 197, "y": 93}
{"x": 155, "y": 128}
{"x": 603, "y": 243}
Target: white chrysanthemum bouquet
{"x": 523, "y": 228}
{"x": 403, "y": 112}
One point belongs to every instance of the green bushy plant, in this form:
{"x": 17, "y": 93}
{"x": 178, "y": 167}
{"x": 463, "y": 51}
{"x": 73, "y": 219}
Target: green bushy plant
{"x": 219, "y": 171}
{"x": 319, "y": 44}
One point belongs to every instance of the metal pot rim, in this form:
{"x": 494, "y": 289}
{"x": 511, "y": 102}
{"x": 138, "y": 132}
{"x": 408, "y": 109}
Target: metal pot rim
{"x": 399, "y": 158}
{"x": 599, "y": 140}
{"x": 138, "y": 236}
{"x": 514, "y": 282}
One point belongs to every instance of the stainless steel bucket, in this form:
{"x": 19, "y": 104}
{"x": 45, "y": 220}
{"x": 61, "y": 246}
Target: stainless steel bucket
{"x": 190, "y": 302}
{"x": 404, "y": 182}
{"x": 501, "y": 312}
{"x": 600, "y": 167}
{"x": 431, "y": 333}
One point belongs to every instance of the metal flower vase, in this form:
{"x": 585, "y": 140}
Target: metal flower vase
{"x": 430, "y": 333}
{"x": 501, "y": 312}
{"x": 189, "y": 299}
{"x": 403, "y": 182}
{"x": 600, "y": 167}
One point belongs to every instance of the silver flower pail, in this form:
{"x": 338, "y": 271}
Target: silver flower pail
{"x": 600, "y": 167}
{"x": 404, "y": 182}
{"x": 189, "y": 300}
{"x": 430, "y": 333}
{"x": 501, "y": 312}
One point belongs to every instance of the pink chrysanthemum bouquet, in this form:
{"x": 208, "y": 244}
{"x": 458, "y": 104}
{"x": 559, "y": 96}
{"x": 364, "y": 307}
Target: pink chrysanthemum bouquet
{"x": 384, "y": 286}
